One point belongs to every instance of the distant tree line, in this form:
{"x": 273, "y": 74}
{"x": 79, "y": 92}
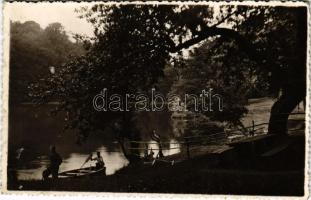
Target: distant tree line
{"x": 33, "y": 50}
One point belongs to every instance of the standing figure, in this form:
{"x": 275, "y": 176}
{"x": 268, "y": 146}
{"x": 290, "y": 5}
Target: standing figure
{"x": 55, "y": 161}
{"x": 157, "y": 138}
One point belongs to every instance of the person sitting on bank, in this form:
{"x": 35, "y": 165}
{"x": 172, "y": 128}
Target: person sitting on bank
{"x": 99, "y": 161}
{"x": 146, "y": 152}
{"x": 151, "y": 154}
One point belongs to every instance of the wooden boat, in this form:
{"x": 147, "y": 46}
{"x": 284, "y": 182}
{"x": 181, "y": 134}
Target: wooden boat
{"x": 83, "y": 172}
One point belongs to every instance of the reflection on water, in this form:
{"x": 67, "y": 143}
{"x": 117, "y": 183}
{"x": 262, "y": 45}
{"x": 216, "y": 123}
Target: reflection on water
{"x": 35, "y": 130}
{"x": 113, "y": 161}
{"x": 173, "y": 148}
{"x": 31, "y": 129}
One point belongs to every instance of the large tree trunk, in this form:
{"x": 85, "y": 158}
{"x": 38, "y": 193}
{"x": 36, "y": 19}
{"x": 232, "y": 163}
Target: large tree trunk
{"x": 131, "y": 155}
{"x": 281, "y": 109}
{"x": 129, "y": 132}
{"x": 293, "y": 81}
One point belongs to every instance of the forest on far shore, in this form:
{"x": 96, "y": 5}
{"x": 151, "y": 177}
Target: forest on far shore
{"x": 33, "y": 50}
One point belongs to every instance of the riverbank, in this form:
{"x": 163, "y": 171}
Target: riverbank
{"x": 200, "y": 175}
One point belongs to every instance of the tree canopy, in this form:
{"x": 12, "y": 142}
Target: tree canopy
{"x": 134, "y": 43}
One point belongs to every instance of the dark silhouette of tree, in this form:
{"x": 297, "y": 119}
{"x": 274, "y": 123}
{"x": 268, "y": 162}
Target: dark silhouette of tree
{"x": 133, "y": 43}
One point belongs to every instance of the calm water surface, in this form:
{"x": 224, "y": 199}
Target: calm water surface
{"x": 35, "y": 130}
{"x": 113, "y": 160}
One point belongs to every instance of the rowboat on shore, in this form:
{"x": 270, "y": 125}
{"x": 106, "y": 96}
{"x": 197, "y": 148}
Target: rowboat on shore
{"x": 83, "y": 172}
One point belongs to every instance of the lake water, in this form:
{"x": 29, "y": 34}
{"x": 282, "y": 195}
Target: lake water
{"x": 35, "y": 130}
{"x": 113, "y": 161}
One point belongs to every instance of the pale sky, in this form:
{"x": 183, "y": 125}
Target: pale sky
{"x": 46, "y": 13}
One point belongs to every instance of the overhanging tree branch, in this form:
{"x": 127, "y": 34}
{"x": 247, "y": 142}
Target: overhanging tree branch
{"x": 207, "y": 32}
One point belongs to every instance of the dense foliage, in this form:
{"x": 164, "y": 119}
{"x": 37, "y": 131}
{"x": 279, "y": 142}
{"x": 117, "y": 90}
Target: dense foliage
{"x": 134, "y": 43}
